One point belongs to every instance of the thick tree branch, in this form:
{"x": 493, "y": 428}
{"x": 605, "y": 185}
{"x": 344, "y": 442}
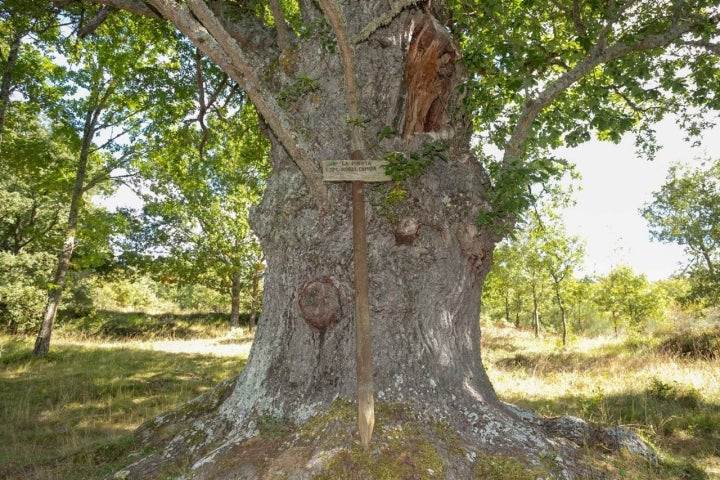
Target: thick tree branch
{"x": 95, "y": 22}
{"x": 597, "y": 57}
{"x": 713, "y": 48}
{"x": 98, "y": 178}
{"x": 348, "y": 58}
{"x": 283, "y": 36}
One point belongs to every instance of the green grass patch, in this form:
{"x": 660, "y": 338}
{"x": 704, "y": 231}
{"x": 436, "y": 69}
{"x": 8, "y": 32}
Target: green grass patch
{"x": 71, "y": 414}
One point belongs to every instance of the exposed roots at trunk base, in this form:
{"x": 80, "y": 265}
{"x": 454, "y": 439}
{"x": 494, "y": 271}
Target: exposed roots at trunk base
{"x": 412, "y": 440}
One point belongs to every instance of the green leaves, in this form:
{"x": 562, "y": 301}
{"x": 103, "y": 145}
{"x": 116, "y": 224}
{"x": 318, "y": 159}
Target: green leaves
{"x": 549, "y": 74}
{"x": 401, "y": 167}
{"x": 686, "y": 211}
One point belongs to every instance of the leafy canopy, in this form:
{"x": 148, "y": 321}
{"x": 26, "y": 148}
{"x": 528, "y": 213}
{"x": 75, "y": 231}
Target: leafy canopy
{"x": 686, "y": 211}
{"x": 548, "y": 74}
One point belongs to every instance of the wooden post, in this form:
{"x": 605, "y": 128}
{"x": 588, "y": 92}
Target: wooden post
{"x": 366, "y": 402}
{"x": 358, "y": 171}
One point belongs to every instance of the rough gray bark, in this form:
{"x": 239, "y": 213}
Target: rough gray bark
{"x": 254, "y": 296}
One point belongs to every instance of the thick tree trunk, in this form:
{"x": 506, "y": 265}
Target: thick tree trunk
{"x": 254, "y": 298}
{"x": 427, "y": 257}
{"x": 235, "y": 288}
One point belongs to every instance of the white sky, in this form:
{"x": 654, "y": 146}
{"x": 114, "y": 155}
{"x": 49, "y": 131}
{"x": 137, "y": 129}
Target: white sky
{"x": 616, "y": 184}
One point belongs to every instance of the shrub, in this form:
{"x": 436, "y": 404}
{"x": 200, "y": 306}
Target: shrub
{"x": 23, "y": 290}
{"x": 694, "y": 344}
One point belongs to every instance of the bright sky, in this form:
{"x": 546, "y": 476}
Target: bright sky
{"x": 616, "y": 184}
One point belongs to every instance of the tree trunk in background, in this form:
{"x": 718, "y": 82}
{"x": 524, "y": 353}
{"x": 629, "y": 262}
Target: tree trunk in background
{"x": 95, "y": 107}
{"x": 254, "y": 298}
{"x": 536, "y": 313}
{"x": 235, "y": 289}
{"x": 42, "y": 343}
{"x": 6, "y": 81}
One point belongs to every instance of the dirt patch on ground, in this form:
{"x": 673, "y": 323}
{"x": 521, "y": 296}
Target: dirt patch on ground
{"x": 220, "y": 347}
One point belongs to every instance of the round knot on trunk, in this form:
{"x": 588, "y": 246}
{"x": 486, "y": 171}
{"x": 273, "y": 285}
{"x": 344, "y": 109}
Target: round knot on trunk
{"x": 319, "y": 302}
{"x": 407, "y": 231}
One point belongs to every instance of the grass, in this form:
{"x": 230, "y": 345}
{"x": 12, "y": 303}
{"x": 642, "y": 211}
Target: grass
{"x": 71, "y": 414}
{"x": 658, "y": 386}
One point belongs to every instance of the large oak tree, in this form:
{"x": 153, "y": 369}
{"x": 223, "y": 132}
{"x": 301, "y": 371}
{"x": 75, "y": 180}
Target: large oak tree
{"x": 334, "y": 79}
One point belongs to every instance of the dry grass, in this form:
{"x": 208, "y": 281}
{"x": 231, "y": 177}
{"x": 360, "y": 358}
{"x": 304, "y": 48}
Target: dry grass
{"x": 673, "y": 401}
{"x": 71, "y": 414}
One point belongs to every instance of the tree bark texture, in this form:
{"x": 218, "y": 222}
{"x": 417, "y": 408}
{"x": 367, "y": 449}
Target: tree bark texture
{"x": 254, "y": 298}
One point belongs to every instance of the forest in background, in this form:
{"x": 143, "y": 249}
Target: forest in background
{"x": 140, "y": 107}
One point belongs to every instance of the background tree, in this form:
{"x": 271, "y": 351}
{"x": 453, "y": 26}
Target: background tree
{"x": 686, "y": 211}
{"x": 117, "y": 83}
{"x": 29, "y": 28}
{"x": 629, "y": 299}
{"x": 200, "y": 184}
{"x": 539, "y": 258}
{"x": 379, "y": 79}
{"x": 503, "y": 288}
{"x": 36, "y": 159}
{"x": 560, "y": 255}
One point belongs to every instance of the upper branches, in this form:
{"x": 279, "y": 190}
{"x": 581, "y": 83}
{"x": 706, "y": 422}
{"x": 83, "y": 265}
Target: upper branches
{"x": 242, "y": 49}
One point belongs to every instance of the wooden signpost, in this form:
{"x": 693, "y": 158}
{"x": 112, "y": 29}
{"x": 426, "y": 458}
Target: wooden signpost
{"x": 358, "y": 172}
